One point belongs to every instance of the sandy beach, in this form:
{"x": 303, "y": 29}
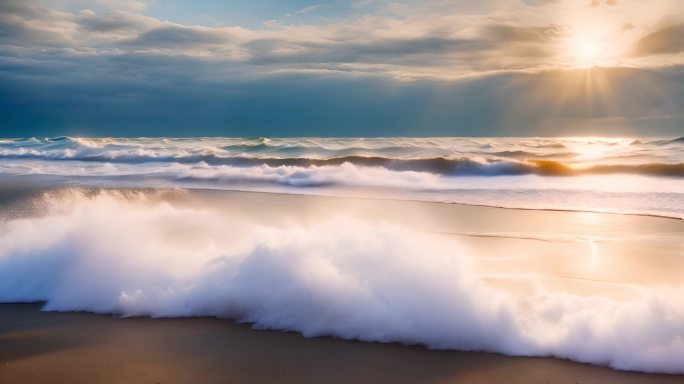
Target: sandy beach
{"x": 39, "y": 347}
{"x": 582, "y": 254}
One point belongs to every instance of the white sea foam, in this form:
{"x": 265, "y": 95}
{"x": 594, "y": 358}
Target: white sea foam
{"x": 600, "y": 174}
{"x": 342, "y": 277}
{"x": 617, "y": 193}
{"x": 643, "y": 176}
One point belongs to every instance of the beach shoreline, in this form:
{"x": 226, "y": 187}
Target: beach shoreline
{"x": 507, "y": 246}
{"x": 55, "y": 347}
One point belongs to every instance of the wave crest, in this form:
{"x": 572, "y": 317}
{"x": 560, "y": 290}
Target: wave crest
{"x": 452, "y": 157}
{"x": 340, "y": 277}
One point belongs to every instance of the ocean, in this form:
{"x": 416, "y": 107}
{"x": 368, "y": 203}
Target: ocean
{"x": 376, "y": 240}
{"x": 626, "y": 175}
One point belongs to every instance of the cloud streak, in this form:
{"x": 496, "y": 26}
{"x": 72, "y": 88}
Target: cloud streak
{"x": 663, "y": 41}
{"x": 395, "y": 43}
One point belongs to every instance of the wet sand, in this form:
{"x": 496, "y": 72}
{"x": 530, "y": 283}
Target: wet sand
{"x": 47, "y": 347}
{"x": 584, "y": 253}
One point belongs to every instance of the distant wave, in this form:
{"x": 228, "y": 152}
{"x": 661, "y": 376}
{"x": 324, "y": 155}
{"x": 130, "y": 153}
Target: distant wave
{"x": 455, "y": 157}
{"x": 645, "y": 177}
{"x": 553, "y": 168}
{"x": 438, "y": 165}
{"x": 679, "y": 140}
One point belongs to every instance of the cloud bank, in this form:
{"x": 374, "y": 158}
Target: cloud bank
{"x": 62, "y": 67}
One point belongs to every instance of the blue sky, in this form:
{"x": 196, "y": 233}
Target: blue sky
{"x": 341, "y": 68}
{"x": 245, "y": 13}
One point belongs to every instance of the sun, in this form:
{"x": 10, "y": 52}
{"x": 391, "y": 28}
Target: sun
{"x": 586, "y": 52}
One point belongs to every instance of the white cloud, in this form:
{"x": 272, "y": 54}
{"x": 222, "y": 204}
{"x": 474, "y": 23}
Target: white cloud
{"x": 402, "y": 40}
{"x": 311, "y": 8}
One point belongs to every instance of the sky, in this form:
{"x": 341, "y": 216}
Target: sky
{"x": 342, "y": 68}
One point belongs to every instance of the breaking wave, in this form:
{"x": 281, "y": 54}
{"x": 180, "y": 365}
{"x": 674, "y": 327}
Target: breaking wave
{"x": 340, "y": 277}
{"x": 454, "y": 158}
{"x": 643, "y": 176}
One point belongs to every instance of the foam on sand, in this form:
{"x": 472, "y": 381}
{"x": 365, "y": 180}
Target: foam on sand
{"x": 342, "y": 277}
